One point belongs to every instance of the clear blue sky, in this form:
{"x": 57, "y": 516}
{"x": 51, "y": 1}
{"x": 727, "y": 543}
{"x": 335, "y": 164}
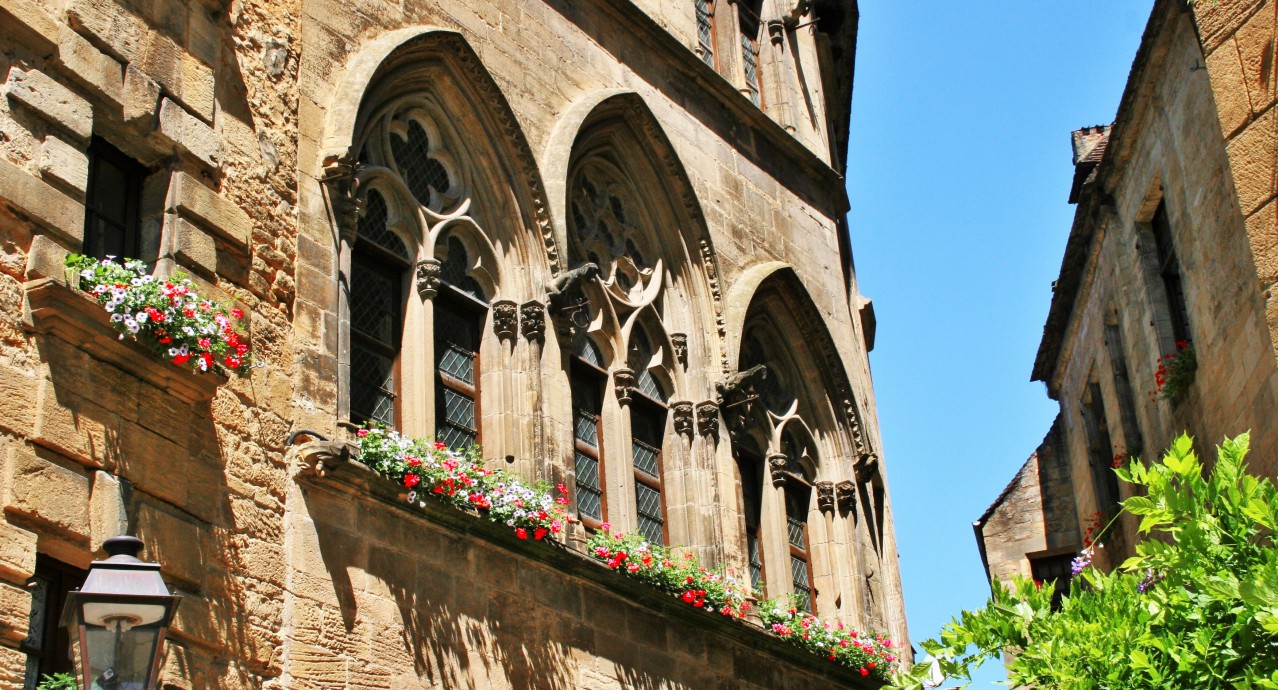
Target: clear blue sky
{"x": 958, "y": 173}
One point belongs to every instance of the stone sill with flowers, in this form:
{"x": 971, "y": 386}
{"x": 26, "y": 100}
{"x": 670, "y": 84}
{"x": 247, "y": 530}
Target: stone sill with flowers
{"x": 120, "y": 314}
{"x": 168, "y": 318}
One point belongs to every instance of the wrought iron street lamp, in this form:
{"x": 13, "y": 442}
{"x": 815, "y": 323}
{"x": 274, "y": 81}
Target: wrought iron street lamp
{"x": 119, "y": 618}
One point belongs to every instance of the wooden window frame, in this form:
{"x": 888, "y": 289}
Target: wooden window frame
{"x": 747, "y": 18}
{"x": 100, "y": 151}
{"x": 372, "y": 257}
{"x": 589, "y": 374}
{"x": 709, "y": 19}
{"x": 465, "y": 306}
{"x": 750, "y": 466}
{"x": 657, "y": 409}
{"x": 796, "y": 484}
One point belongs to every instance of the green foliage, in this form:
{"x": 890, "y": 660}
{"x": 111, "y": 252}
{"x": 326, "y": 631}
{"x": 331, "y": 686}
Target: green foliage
{"x": 1196, "y": 607}
{"x": 1174, "y": 372}
{"x": 58, "y": 681}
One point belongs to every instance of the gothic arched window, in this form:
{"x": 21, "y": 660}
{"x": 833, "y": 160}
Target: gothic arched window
{"x": 379, "y": 264}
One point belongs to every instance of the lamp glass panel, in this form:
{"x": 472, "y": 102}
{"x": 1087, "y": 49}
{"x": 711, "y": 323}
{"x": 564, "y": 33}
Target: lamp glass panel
{"x": 118, "y": 660}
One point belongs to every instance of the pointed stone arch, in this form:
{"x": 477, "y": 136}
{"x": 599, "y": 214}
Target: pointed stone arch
{"x": 616, "y": 127}
{"x": 439, "y": 62}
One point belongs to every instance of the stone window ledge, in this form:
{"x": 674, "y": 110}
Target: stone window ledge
{"x": 330, "y": 465}
{"x": 51, "y": 307}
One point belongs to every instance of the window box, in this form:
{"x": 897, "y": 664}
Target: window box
{"x": 53, "y": 308}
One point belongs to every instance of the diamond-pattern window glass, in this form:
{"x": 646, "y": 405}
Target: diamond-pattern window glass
{"x": 589, "y": 491}
{"x": 586, "y": 349}
{"x": 795, "y": 528}
{"x": 372, "y": 386}
{"x": 802, "y": 588}
{"x": 650, "y": 520}
{"x": 587, "y": 428}
{"x": 650, "y": 386}
{"x": 756, "y": 562}
{"x": 421, "y": 172}
{"x": 750, "y": 58}
{"x": 645, "y": 458}
{"x": 459, "y": 419}
{"x": 372, "y": 227}
{"x": 458, "y": 364}
{"x": 457, "y": 437}
{"x": 705, "y": 30}
{"x": 374, "y": 304}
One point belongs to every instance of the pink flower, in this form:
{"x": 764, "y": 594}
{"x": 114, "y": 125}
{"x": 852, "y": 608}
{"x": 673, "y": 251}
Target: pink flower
{"x": 440, "y": 445}
{"x": 411, "y": 480}
{"x": 361, "y": 433}
{"x": 237, "y": 313}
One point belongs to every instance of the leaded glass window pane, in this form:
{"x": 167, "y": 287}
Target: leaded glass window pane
{"x": 372, "y": 386}
{"x": 650, "y": 519}
{"x": 587, "y": 428}
{"x": 750, "y": 59}
{"x": 795, "y": 528}
{"x": 458, "y": 363}
{"x": 372, "y": 227}
{"x": 374, "y": 304}
{"x": 645, "y": 458}
{"x": 589, "y": 490}
{"x": 649, "y": 386}
{"x": 705, "y": 30}
{"x": 802, "y": 588}
{"x": 756, "y": 562}
{"x": 586, "y": 349}
{"x": 420, "y": 172}
{"x": 459, "y": 419}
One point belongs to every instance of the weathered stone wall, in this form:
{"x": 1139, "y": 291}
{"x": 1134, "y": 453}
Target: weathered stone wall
{"x": 1034, "y": 514}
{"x": 1191, "y": 133}
{"x": 234, "y": 109}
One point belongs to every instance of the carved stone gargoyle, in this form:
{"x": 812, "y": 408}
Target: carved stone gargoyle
{"x": 568, "y": 304}
{"x": 737, "y": 395}
{"x": 319, "y": 456}
{"x": 866, "y": 467}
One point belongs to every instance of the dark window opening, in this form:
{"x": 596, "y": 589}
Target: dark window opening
{"x": 748, "y": 18}
{"x": 458, "y": 320}
{"x": 378, "y": 266}
{"x": 112, "y": 224}
{"x": 750, "y": 465}
{"x": 1100, "y": 450}
{"x": 1056, "y": 571}
{"x": 48, "y": 646}
{"x": 1169, "y": 271}
{"x": 705, "y": 30}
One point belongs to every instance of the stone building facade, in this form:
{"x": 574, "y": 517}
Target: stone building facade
{"x": 603, "y": 239}
{"x": 1171, "y": 251}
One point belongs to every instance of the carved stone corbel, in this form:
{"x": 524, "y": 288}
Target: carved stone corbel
{"x": 505, "y": 319}
{"x": 708, "y": 419}
{"x": 532, "y": 318}
{"x": 737, "y": 395}
{"x": 776, "y": 31}
{"x": 340, "y": 178}
{"x": 778, "y": 466}
{"x": 825, "y": 496}
{"x": 845, "y": 493}
{"x": 624, "y": 382}
{"x": 428, "y": 278}
{"x": 682, "y": 413}
{"x": 680, "y": 342}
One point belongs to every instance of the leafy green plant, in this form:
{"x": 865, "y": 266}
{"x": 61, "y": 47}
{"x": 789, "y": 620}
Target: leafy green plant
{"x": 58, "y": 681}
{"x": 1196, "y": 607}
